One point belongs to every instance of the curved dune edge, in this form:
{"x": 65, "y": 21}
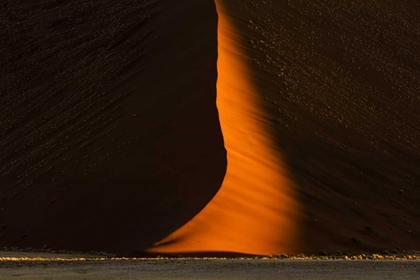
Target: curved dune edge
{"x": 255, "y": 211}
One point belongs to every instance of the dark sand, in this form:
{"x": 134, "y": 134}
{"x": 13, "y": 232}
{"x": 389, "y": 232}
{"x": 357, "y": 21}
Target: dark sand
{"x": 109, "y": 134}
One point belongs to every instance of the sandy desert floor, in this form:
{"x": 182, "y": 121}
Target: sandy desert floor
{"x": 211, "y": 269}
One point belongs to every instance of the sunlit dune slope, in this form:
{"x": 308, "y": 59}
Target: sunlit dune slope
{"x": 256, "y": 210}
{"x": 109, "y": 132}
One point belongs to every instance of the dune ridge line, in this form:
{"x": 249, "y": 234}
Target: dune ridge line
{"x": 255, "y": 211}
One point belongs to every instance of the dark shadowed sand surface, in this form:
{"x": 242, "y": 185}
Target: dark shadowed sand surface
{"x": 213, "y": 269}
{"x": 109, "y": 133}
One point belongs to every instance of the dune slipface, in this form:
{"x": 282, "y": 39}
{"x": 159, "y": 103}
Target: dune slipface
{"x": 109, "y": 132}
{"x": 255, "y": 211}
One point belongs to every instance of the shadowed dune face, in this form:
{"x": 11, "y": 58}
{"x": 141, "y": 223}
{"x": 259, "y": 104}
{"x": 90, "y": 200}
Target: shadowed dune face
{"x": 255, "y": 211}
{"x": 109, "y": 132}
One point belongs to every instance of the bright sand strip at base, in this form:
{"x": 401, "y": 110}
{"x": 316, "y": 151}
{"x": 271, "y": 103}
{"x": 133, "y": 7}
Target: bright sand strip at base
{"x": 255, "y": 210}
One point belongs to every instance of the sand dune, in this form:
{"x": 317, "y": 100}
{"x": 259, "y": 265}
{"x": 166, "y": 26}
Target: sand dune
{"x": 110, "y": 138}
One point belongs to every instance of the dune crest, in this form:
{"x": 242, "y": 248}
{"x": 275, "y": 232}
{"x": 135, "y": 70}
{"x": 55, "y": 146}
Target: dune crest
{"x": 255, "y": 211}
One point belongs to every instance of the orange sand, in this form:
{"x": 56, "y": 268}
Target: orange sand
{"x": 255, "y": 211}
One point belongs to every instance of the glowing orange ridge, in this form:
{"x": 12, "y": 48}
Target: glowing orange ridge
{"x": 255, "y": 211}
